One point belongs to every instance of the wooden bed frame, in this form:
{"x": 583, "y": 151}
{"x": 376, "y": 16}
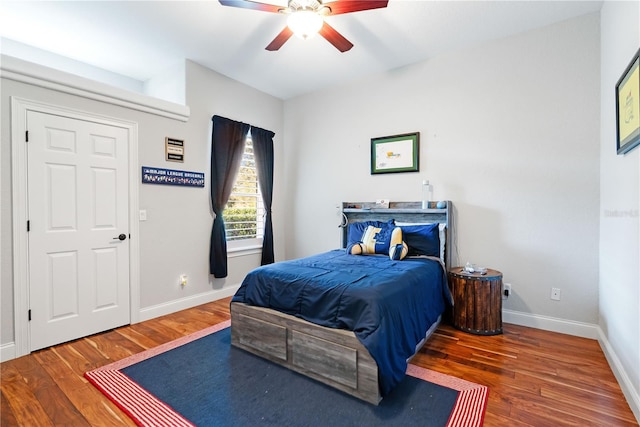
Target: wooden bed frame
{"x": 332, "y": 356}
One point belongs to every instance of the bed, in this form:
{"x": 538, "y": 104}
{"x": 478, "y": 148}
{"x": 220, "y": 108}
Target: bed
{"x": 351, "y": 322}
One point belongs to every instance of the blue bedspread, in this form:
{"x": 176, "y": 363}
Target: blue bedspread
{"x": 389, "y": 305}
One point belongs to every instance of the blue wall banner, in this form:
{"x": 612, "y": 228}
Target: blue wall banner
{"x": 161, "y": 176}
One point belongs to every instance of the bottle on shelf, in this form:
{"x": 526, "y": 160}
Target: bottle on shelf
{"x": 427, "y": 194}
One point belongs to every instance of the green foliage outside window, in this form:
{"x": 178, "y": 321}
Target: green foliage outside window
{"x": 243, "y": 213}
{"x": 240, "y": 222}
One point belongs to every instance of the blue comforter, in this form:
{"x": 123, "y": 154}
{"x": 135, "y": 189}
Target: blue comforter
{"x": 389, "y": 305}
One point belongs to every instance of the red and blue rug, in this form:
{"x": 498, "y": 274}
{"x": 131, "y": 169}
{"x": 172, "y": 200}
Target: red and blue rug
{"x": 200, "y": 380}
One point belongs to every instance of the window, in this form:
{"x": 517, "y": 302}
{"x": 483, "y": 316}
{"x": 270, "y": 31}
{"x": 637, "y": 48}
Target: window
{"x": 244, "y": 212}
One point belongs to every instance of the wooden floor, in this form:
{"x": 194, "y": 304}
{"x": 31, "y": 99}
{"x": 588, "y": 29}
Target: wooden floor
{"x": 536, "y": 378}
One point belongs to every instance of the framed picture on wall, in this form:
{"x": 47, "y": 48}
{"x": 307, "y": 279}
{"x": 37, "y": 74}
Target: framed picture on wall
{"x": 628, "y": 107}
{"x": 397, "y": 153}
{"x": 174, "y": 149}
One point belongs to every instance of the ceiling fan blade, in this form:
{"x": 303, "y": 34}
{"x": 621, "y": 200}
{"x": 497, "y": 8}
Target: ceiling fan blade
{"x": 335, "y": 38}
{"x": 249, "y": 4}
{"x": 346, "y": 6}
{"x": 280, "y": 39}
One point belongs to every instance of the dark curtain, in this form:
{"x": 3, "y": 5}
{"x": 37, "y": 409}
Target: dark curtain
{"x": 227, "y": 145}
{"x": 263, "y": 152}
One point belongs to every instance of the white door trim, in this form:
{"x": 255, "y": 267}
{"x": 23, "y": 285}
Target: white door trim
{"x": 19, "y": 108}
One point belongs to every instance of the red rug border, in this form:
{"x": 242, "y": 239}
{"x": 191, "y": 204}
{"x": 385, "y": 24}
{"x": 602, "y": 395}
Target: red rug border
{"x": 135, "y": 401}
{"x": 471, "y": 403}
{"x": 147, "y": 410}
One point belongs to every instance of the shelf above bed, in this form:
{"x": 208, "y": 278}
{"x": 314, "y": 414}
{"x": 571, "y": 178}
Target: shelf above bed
{"x": 395, "y": 210}
{"x": 399, "y": 207}
{"x": 407, "y": 211}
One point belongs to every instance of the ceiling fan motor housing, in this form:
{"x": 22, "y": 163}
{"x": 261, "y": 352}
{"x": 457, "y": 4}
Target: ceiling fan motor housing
{"x": 298, "y": 5}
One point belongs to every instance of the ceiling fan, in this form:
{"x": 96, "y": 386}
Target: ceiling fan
{"x": 306, "y": 17}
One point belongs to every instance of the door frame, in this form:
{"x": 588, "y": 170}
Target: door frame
{"x": 19, "y": 187}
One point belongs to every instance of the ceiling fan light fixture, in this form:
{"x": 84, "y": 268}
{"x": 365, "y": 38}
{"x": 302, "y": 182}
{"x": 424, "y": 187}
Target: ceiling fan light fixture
{"x": 305, "y": 23}
{"x": 306, "y": 17}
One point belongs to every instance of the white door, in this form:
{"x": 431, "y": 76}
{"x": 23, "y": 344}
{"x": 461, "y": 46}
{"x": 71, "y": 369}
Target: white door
{"x": 78, "y": 228}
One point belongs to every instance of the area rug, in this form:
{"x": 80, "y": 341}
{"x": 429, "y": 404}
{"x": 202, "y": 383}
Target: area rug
{"x": 201, "y": 380}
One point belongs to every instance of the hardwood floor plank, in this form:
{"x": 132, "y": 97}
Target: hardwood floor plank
{"x": 55, "y": 366}
{"x": 159, "y": 327}
{"x": 90, "y": 351}
{"x": 95, "y": 408}
{"x": 187, "y": 328}
{"x": 25, "y": 406}
{"x": 47, "y": 391}
{"x": 146, "y": 330}
{"x": 535, "y": 378}
{"x": 549, "y": 412}
{"x": 495, "y": 420}
{"x": 81, "y": 393}
{"x": 140, "y": 339}
{"x": 595, "y": 405}
{"x": 75, "y": 361}
{"x": 113, "y": 345}
{"x": 6, "y": 413}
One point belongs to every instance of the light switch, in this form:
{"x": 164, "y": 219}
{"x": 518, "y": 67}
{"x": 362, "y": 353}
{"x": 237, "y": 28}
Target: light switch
{"x": 143, "y": 215}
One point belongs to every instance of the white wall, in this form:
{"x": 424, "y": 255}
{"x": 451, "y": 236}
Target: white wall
{"x": 175, "y": 238}
{"x": 180, "y": 219}
{"x": 619, "y": 206}
{"x": 169, "y": 85}
{"x": 68, "y": 65}
{"x": 509, "y": 133}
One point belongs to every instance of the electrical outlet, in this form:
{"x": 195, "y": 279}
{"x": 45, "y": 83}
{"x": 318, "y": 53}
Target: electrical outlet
{"x": 555, "y": 294}
{"x": 506, "y": 290}
{"x": 183, "y": 280}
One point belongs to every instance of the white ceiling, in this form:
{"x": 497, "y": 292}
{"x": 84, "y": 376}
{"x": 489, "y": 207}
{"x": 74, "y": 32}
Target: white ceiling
{"x": 140, "y": 39}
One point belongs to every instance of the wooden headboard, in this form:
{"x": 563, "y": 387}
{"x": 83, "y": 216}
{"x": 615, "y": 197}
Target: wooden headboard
{"x": 401, "y": 212}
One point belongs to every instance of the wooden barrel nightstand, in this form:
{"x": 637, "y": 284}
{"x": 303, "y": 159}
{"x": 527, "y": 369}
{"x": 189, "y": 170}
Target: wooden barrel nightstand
{"x": 477, "y": 301}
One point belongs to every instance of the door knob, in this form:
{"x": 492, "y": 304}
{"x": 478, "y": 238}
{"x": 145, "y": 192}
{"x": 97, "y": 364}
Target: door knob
{"x": 120, "y": 237}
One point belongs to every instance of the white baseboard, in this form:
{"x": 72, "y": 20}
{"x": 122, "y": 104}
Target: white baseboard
{"x": 554, "y": 324}
{"x": 630, "y": 393}
{"x": 585, "y": 330}
{"x": 184, "y": 303}
{"x": 7, "y": 351}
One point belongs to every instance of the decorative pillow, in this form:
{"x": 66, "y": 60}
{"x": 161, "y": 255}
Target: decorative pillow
{"x": 356, "y": 230}
{"x": 376, "y": 240}
{"x": 422, "y": 239}
{"x": 442, "y": 233}
{"x": 380, "y": 240}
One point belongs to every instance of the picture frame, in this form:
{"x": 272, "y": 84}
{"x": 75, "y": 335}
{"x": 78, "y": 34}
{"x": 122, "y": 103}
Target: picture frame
{"x": 396, "y": 153}
{"x": 174, "y": 149}
{"x": 628, "y": 107}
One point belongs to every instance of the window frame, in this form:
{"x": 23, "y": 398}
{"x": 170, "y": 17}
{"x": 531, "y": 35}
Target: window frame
{"x": 252, "y": 243}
